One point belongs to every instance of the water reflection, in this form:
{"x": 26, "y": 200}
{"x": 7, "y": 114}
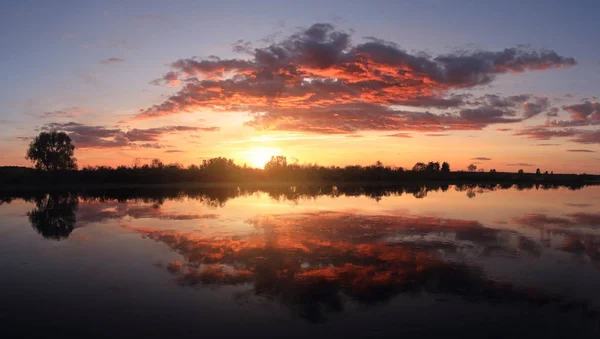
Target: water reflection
{"x": 314, "y": 262}
{"x": 346, "y": 252}
{"x": 219, "y": 195}
{"x": 54, "y": 215}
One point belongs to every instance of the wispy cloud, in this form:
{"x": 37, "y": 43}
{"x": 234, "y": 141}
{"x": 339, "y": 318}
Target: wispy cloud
{"x": 98, "y": 137}
{"x": 70, "y": 112}
{"x": 111, "y": 61}
{"x": 400, "y": 135}
{"x": 581, "y": 151}
{"x": 523, "y": 164}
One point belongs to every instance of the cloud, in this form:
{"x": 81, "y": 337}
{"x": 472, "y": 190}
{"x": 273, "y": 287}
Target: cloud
{"x": 535, "y": 107}
{"x": 481, "y": 158}
{"x": 503, "y": 129}
{"x": 170, "y": 78}
{"x": 173, "y": 151}
{"x": 581, "y": 151}
{"x": 317, "y": 80}
{"x": 546, "y": 145}
{"x": 524, "y": 164}
{"x": 583, "y": 111}
{"x": 400, "y": 135}
{"x": 71, "y": 112}
{"x": 437, "y": 135}
{"x": 588, "y": 137}
{"x": 97, "y": 137}
{"x": 552, "y": 112}
{"x": 544, "y": 133}
{"x": 111, "y": 61}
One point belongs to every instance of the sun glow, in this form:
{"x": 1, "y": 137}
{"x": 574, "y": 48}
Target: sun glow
{"x": 259, "y": 156}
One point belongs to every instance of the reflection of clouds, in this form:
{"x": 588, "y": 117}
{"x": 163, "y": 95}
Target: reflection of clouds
{"x": 578, "y": 230}
{"x": 93, "y": 211}
{"x": 312, "y": 262}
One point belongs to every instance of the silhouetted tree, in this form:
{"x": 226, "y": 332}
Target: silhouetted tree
{"x": 445, "y": 167}
{"x": 52, "y": 151}
{"x": 433, "y": 166}
{"x": 54, "y": 215}
{"x": 419, "y": 167}
{"x": 538, "y": 172}
{"x": 472, "y": 168}
{"x": 156, "y": 163}
{"x": 521, "y": 171}
{"x": 493, "y": 170}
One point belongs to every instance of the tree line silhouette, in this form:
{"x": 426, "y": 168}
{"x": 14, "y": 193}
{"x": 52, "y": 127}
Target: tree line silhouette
{"x": 53, "y": 156}
{"x": 223, "y": 170}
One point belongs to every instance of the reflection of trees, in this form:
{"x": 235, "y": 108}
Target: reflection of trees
{"x": 218, "y": 196}
{"x": 314, "y": 262}
{"x": 54, "y": 215}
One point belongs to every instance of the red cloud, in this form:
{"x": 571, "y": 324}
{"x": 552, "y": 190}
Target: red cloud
{"x": 318, "y": 81}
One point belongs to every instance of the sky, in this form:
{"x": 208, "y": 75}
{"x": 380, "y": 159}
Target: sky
{"x": 506, "y": 85}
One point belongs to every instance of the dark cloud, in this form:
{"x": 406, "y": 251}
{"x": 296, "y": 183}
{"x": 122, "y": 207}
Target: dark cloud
{"x": 317, "y": 81}
{"x": 584, "y": 111}
{"x": 173, "y": 151}
{"x": 170, "y": 78}
{"x": 535, "y": 107}
{"x": 111, "y": 61}
{"x": 552, "y": 112}
{"x": 242, "y": 46}
{"x": 504, "y": 129}
{"x": 544, "y": 133}
{"x": 546, "y": 145}
{"x": 577, "y": 205}
{"x": 481, "y": 158}
{"x": 524, "y": 164}
{"x": 95, "y": 137}
{"x": 581, "y": 151}
{"x": 495, "y": 100}
{"x": 588, "y": 137}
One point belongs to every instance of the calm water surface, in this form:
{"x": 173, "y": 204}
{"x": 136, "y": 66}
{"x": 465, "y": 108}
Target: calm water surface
{"x": 473, "y": 262}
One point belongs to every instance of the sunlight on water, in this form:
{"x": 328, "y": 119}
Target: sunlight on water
{"x": 228, "y": 260}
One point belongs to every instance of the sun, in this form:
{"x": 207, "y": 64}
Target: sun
{"x": 259, "y": 156}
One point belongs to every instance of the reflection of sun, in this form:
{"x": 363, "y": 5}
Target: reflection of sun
{"x": 259, "y": 156}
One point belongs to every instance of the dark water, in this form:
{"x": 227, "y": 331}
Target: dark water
{"x": 302, "y": 262}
